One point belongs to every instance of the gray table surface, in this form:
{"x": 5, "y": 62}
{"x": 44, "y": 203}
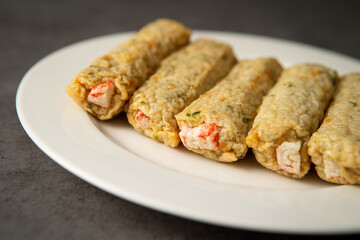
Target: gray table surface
{"x": 41, "y": 200}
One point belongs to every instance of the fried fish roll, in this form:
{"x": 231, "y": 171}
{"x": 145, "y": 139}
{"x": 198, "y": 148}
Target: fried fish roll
{"x": 289, "y": 114}
{"x": 181, "y": 78}
{"x": 335, "y": 147}
{"x": 216, "y": 124}
{"x": 103, "y": 88}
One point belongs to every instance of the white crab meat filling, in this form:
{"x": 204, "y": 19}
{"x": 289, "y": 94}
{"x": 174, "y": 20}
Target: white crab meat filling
{"x": 102, "y": 93}
{"x": 332, "y": 169}
{"x": 288, "y": 157}
{"x": 205, "y": 136}
{"x": 142, "y": 120}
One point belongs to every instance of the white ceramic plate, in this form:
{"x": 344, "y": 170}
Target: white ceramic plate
{"x": 114, "y": 157}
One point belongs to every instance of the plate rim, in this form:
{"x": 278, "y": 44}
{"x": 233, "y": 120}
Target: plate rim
{"x": 39, "y": 141}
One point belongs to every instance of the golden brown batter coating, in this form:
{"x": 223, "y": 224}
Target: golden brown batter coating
{"x": 231, "y": 105}
{"x": 335, "y": 147}
{"x": 103, "y": 88}
{"x": 288, "y": 116}
{"x": 180, "y": 80}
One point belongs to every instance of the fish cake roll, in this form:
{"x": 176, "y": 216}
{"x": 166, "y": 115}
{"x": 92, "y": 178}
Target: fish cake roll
{"x": 335, "y": 147}
{"x": 289, "y": 114}
{"x": 181, "y": 78}
{"x": 216, "y": 124}
{"x": 104, "y": 86}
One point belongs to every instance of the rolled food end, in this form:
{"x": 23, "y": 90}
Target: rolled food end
{"x": 288, "y": 157}
{"x": 142, "y": 120}
{"x": 102, "y": 93}
{"x": 205, "y": 136}
{"x": 331, "y": 169}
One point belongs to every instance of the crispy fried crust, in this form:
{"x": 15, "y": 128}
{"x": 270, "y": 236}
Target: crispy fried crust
{"x": 128, "y": 65}
{"x": 291, "y": 111}
{"x": 182, "y": 77}
{"x": 232, "y": 106}
{"x": 338, "y": 138}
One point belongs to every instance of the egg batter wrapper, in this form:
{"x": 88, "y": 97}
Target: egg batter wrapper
{"x": 103, "y": 88}
{"x": 335, "y": 147}
{"x": 216, "y": 124}
{"x": 289, "y": 114}
{"x": 182, "y": 77}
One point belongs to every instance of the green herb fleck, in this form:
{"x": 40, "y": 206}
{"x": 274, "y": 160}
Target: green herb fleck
{"x": 246, "y": 119}
{"x": 193, "y": 114}
{"x": 229, "y": 107}
{"x": 289, "y": 84}
{"x": 263, "y": 93}
{"x": 334, "y": 82}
